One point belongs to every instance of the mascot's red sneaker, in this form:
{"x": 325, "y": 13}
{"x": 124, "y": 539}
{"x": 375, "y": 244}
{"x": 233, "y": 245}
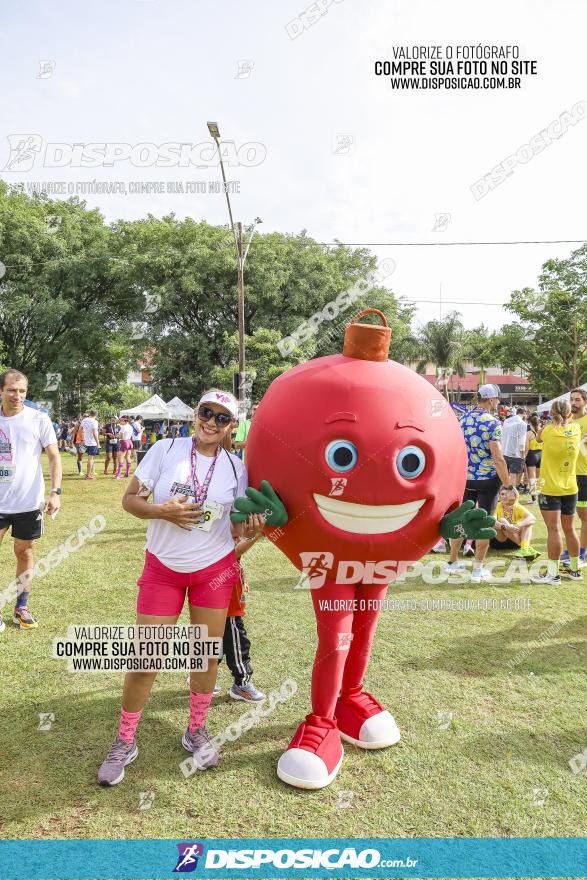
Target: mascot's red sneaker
{"x": 314, "y": 755}
{"x": 364, "y": 722}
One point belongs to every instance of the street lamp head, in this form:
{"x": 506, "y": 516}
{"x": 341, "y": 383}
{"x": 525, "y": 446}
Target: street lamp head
{"x": 258, "y": 220}
{"x": 213, "y": 129}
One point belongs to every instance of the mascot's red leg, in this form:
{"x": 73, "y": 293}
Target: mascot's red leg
{"x": 361, "y": 719}
{"x": 314, "y": 755}
{"x": 346, "y": 618}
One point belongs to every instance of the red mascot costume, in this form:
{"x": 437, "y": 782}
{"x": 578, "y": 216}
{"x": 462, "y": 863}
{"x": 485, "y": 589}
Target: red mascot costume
{"x": 363, "y": 463}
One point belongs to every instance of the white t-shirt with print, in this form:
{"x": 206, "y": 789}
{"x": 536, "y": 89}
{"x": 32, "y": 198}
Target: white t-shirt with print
{"x": 22, "y": 439}
{"x": 88, "y": 426}
{"x": 165, "y": 469}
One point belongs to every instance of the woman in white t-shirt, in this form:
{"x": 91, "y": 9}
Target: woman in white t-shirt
{"x": 190, "y": 549}
{"x": 125, "y": 433}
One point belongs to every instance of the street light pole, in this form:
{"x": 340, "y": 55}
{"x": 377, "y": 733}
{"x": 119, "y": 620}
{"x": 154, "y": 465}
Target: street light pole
{"x": 237, "y": 231}
{"x": 241, "y": 314}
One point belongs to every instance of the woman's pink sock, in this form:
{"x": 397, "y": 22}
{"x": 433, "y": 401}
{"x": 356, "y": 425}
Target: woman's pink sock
{"x": 199, "y": 705}
{"x": 129, "y": 721}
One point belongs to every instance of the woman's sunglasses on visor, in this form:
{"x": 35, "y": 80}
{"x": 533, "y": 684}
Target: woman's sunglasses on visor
{"x": 221, "y": 418}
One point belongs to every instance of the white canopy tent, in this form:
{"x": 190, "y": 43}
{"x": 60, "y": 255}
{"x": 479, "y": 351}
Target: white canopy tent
{"x": 180, "y": 411}
{"x": 153, "y": 409}
{"x": 547, "y": 406}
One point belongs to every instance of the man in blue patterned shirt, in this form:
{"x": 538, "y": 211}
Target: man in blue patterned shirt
{"x": 486, "y": 470}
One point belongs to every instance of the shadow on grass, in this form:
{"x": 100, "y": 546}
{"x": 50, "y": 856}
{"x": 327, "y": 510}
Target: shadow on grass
{"x": 527, "y": 646}
{"x": 64, "y": 760}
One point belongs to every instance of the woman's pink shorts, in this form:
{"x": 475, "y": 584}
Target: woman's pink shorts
{"x": 124, "y": 445}
{"x": 162, "y": 590}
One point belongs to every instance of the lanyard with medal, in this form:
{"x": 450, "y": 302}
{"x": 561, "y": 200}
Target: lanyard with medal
{"x": 7, "y": 466}
{"x": 211, "y": 510}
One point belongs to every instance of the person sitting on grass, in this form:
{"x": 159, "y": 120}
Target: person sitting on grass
{"x": 513, "y": 524}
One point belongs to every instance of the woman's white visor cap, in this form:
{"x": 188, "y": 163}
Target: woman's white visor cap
{"x": 222, "y": 398}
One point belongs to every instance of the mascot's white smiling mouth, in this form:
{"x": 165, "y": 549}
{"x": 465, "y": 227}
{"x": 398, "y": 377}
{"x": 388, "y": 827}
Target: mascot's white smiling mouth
{"x": 367, "y": 519}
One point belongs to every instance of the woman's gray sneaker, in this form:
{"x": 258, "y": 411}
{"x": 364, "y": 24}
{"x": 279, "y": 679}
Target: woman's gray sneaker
{"x": 120, "y": 755}
{"x": 203, "y": 750}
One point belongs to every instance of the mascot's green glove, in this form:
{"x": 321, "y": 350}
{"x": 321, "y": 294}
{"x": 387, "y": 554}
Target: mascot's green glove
{"x": 468, "y": 521}
{"x": 264, "y": 501}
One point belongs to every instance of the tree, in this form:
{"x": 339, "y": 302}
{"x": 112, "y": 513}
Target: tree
{"x": 191, "y": 269}
{"x": 550, "y": 339}
{"x": 442, "y": 343}
{"x": 109, "y": 400}
{"x": 264, "y": 361}
{"x": 480, "y": 347}
{"x": 329, "y": 337}
{"x": 62, "y": 300}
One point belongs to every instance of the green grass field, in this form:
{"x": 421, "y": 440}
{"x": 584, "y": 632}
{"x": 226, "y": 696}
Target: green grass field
{"x": 513, "y": 727}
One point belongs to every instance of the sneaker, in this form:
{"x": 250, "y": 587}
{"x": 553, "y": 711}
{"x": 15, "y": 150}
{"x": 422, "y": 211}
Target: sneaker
{"x": 314, "y": 755}
{"x": 480, "y": 574}
{"x": 364, "y": 722}
{"x": 23, "y": 618}
{"x": 203, "y": 750}
{"x": 439, "y": 547}
{"x": 468, "y": 549}
{"x": 91, "y": 477}
{"x": 247, "y": 692}
{"x": 120, "y": 755}
{"x": 552, "y": 580}
{"x": 455, "y": 567}
{"x": 527, "y": 553}
{"x": 2, "y": 624}
{"x": 573, "y": 575}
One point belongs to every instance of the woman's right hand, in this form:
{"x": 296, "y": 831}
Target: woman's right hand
{"x": 181, "y": 512}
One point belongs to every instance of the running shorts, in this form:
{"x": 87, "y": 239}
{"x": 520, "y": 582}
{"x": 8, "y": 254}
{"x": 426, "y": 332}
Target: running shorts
{"x": 565, "y": 503}
{"x": 483, "y": 492}
{"x": 533, "y": 458}
{"x": 515, "y": 465}
{"x": 124, "y": 445}
{"x": 26, "y": 526}
{"x": 582, "y": 484}
{"x": 508, "y": 544}
{"x": 162, "y": 591}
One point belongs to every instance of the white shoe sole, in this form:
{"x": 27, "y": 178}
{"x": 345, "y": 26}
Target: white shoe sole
{"x": 245, "y": 699}
{"x": 134, "y": 755}
{"x": 380, "y": 744}
{"x": 309, "y": 784}
{"x": 195, "y": 760}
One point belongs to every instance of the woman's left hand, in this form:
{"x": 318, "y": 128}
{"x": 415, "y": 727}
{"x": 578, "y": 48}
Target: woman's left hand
{"x": 253, "y": 526}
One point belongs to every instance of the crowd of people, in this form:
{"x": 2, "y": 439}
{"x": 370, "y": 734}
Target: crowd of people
{"x": 192, "y": 476}
{"x": 122, "y": 437}
{"x": 523, "y": 457}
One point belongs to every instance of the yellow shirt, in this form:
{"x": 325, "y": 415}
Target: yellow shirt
{"x": 517, "y": 513}
{"x": 582, "y": 459}
{"x": 559, "y": 459}
{"x": 534, "y": 445}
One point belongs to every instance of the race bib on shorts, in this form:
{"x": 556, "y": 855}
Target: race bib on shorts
{"x": 211, "y": 511}
{"x": 7, "y": 473}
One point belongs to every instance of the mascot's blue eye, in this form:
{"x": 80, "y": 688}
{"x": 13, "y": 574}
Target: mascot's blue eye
{"x": 341, "y": 455}
{"x": 411, "y": 461}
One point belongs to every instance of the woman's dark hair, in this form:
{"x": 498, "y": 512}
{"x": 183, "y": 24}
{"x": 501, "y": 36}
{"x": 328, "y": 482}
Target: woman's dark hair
{"x": 534, "y": 423}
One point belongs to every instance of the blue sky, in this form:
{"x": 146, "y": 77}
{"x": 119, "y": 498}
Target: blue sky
{"x": 154, "y": 71}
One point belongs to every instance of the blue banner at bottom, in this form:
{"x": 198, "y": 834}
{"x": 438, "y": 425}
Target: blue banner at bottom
{"x": 296, "y": 857}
